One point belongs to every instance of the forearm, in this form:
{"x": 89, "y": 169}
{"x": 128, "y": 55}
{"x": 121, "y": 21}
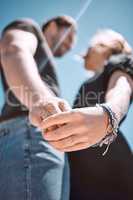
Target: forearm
{"x": 118, "y": 98}
{"x": 23, "y": 78}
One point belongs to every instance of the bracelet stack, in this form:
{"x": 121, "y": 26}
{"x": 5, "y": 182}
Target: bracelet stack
{"x": 112, "y": 128}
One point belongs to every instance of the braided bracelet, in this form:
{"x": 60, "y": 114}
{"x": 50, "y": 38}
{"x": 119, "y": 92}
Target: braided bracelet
{"x": 112, "y": 128}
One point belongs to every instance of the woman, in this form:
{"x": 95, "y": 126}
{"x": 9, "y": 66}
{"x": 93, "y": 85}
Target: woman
{"x": 94, "y": 176}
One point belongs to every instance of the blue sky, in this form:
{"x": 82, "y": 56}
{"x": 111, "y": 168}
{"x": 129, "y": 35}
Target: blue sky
{"x": 100, "y": 14}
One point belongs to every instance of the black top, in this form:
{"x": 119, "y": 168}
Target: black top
{"x": 44, "y": 61}
{"x": 94, "y": 176}
{"x": 94, "y": 89}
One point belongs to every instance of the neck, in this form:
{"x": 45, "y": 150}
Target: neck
{"x": 100, "y": 70}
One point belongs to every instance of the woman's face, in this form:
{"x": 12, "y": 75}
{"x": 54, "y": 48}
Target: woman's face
{"x": 95, "y": 57}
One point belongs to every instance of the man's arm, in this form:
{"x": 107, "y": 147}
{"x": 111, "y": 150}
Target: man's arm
{"x": 17, "y": 50}
{"x": 17, "y": 56}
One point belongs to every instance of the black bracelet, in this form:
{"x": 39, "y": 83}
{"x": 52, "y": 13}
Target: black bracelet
{"x": 112, "y": 128}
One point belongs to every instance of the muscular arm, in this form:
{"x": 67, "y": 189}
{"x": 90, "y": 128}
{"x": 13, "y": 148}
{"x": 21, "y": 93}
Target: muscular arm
{"x": 119, "y": 93}
{"x": 17, "y": 56}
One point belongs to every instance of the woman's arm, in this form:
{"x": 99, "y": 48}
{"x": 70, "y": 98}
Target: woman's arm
{"x": 85, "y": 127}
{"x": 119, "y": 93}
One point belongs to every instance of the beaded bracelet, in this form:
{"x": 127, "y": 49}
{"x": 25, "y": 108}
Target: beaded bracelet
{"x": 112, "y": 128}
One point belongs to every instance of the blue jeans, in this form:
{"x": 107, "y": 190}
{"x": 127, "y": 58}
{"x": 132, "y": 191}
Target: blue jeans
{"x": 30, "y": 169}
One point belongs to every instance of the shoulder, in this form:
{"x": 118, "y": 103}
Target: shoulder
{"x": 25, "y": 24}
{"x": 121, "y": 62}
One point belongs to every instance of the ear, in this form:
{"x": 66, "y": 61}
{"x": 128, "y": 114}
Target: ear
{"x": 52, "y": 28}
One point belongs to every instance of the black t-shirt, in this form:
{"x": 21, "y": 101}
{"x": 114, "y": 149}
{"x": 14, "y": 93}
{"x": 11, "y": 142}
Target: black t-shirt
{"x": 44, "y": 61}
{"x": 93, "y": 90}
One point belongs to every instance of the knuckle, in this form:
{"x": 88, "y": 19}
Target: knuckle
{"x": 49, "y": 106}
{"x": 64, "y": 103}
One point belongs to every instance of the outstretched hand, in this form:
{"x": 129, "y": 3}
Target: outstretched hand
{"x": 79, "y": 128}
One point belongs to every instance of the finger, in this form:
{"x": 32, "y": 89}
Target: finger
{"x": 76, "y": 147}
{"x": 57, "y": 119}
{"x": 69, "y": 141}
{"x": 64, "y": 106}
{"x": 49, "y": 109}
{"x": 63, "y": 132}
{"x": 51, "y": 129}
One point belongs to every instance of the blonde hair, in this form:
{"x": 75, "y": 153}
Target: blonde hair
{"x": 112, "y": 40}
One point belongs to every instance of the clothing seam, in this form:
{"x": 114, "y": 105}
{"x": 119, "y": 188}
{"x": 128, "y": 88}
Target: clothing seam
{"x": 27, "y": 160}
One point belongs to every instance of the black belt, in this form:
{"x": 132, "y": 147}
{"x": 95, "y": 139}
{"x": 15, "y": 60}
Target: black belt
{"x": 13, "y": 115}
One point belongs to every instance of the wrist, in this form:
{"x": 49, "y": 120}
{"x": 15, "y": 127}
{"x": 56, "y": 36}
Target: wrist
{"x": 41, "y": 94}
{"x": 38, "y": 99}
{"x": 112, "y": 128}
{"x": 105, "y": 116}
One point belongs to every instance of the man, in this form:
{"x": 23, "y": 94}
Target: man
{"x": 50, "y": 29}
{"x": 31, "y": 168}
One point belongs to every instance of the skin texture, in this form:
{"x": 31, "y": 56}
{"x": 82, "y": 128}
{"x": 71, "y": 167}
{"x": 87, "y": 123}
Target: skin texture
{"x": 85, "y": 127}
